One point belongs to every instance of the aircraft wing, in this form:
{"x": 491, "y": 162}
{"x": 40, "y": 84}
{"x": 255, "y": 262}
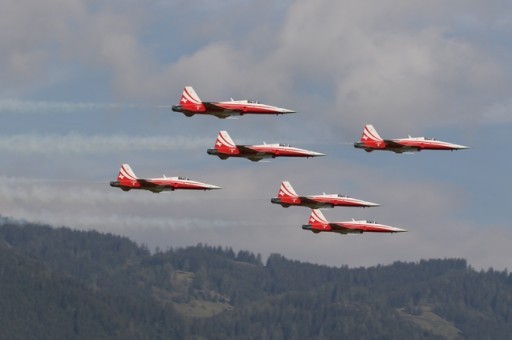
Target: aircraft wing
{"x": 252, "y": 154}
{"x": 394, "y": 145}
{"x": 152, "y": 186}
{"x": 308, "y": 200}
{"x": 213, "y": 107}
{"x": 219, "y": 111}
{"x": 341, "y": 228}
{"x": 313, "y": 203}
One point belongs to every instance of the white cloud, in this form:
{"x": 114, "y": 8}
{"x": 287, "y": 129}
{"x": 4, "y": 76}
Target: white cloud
{"x": 402, "y": 65}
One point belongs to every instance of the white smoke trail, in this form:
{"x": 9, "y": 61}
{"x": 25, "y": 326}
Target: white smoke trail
{"x": 27, "y": 106}
{"x": 80, "y": 144}
{"x": 98, "y": 206}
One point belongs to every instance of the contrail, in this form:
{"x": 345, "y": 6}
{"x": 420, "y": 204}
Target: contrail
{"x": 79, "y": 144}
{"x": 28, "y": 106}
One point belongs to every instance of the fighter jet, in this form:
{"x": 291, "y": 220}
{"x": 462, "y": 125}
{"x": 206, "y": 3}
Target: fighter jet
{"x": 225, "y": 148}
{"x": 190, "y": 104}
{"x": 370, "y": 140}
{"x": 318, "y": 223}
{"x": 127, "y": 180}
{"x": 288, "y": 197}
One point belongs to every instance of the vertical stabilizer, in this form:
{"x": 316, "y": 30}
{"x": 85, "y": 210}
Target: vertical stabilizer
{"x": 286, "y": 190}
{"x": 126, "y": 173}
{"x": 224, "y": 142}
{"x": 189, "y": 96}
{"x": 370, "y": 134}
{"x": 317, "y": 217}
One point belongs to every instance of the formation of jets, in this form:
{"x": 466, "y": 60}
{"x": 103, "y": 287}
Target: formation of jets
{"x": 127, "y": 180}
{"x": 190, "y": 104}
{"x": 224, "y": 148}
{"x": 370, "y": 140}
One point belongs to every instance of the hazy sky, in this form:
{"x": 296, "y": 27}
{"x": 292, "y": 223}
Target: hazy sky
{"x": 85, "y": 84}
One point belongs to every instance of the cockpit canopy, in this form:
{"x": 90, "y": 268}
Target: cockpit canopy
{"x": 183, "y": 178}
{"x": 252, "y": 101}
{"x": 339, "y": 195}
{"x": 285, "y": 145}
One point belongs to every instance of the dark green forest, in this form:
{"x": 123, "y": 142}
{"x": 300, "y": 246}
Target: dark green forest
{"x": 58, "y": 283}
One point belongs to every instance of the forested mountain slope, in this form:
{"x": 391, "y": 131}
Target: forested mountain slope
{"x": 62, "y": 283}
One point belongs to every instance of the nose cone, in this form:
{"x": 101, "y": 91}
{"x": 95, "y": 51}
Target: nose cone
{"x": 370, "y": 204}
{"x": 286, "y": 110}
{"x": 397, "y": 230}
{"x": 315, "y": 154}
{"x": 213, "y": 187}
{"x": 460, "y": 147}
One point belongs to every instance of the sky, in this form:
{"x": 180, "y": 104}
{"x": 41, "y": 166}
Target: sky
{"x": 87, "y": 85}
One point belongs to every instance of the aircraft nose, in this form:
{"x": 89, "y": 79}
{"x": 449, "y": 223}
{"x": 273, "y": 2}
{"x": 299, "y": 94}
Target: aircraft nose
{"x": 287, "y": 111}
{"x": 399, "y": 230}
{"x": 371, "y": 204}
{"x": 211, "y": 186}
{"x": 317, "y": 154}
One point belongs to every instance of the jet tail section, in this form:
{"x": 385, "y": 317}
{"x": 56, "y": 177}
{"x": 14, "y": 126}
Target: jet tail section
{"x": 190, "y": 100}
{"x": 286, "y": 190}
{"x": 370, "y": 134}
{"x": 317, "y": 222}
{"x": 317, "y": 217}
{"x": 224, "y": 143}
{"x": 126, "y": 173}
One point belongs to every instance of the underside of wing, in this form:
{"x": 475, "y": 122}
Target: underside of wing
{"x": 153, "y": 186}
{"x": 253, "y": 155}
{"x": 343, "y": 229}
{"x": 220, "y": 111}
{"x": 312, "y": 203}
{"x": 213, "y": 107}
{"x": 398, "y": 147}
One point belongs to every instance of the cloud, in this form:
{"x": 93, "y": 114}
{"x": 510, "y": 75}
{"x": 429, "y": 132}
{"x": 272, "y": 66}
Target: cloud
{"x": 94, "y": 205}
{"x": 401, "y": 65}
{"x": 374, "y": 62}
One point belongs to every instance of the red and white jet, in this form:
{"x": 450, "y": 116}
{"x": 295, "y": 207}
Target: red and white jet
{"x": 127, "y": 180}
{"x": 370, "y": 140}
{"x": 318, "y": 223}
{"x": 225, "y": 148}
{"x": 288, "y": 197}
{"x": 190, "y": 104}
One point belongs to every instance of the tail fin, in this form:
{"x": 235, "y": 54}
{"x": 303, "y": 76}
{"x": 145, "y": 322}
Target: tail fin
{"x": 224, "y": 142}
{"x": 189, "y": 96}
{"x": 286, "y": 190}
{"x": 317, "y": 217}
{"x": 370, "y": 134}
{"x": 126, "y": 173}
{"x": 190, "y": 100}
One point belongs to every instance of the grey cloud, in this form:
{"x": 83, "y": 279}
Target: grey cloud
{"x": 402, "y": 65}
